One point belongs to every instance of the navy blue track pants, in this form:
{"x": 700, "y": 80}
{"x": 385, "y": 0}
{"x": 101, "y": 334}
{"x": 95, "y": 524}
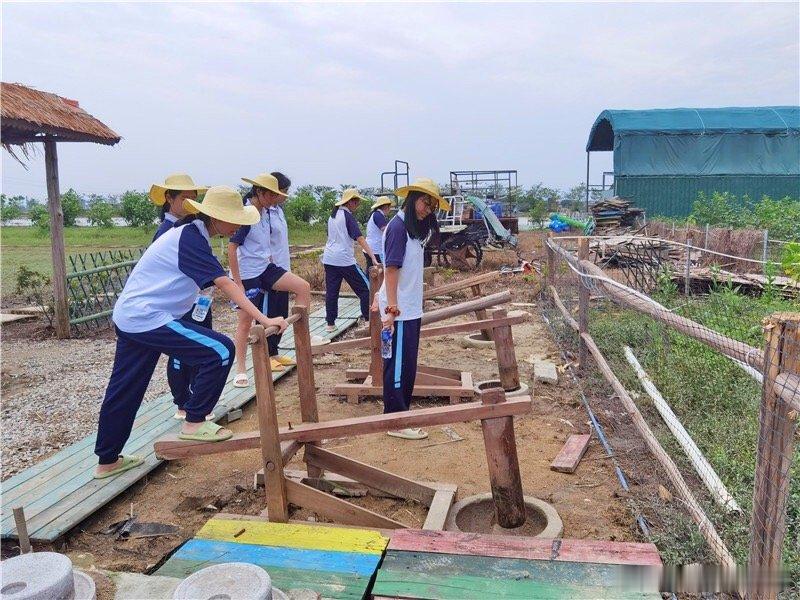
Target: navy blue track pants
{"x": 355, "y": 278}
{"x": 276, "y": 304}
{"x": 208, "y": 352}
{"x": 180, "y": 376}
{"x": 400, "y": 371}
{"x": 370, "y": 264}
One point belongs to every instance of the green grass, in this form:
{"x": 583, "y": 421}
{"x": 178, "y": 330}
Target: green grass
{"x": 716, "y": 401}
{"x": 30, "y": 246}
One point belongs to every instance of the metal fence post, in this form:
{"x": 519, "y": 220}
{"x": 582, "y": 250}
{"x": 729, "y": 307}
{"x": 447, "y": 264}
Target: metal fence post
{"x": 780, "y": 402}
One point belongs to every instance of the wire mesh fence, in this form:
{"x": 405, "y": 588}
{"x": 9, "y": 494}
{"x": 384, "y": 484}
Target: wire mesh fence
{"x": 698, "y": 392}
{"x": 94, "y": 282}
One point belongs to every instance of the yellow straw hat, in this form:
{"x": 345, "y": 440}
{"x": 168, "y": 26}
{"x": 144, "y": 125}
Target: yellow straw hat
{"x": 177, "y": 181}
{"x": 225, "y": 203}
{"x": 426, "y": 186}
{"x": 266, "y": 181}
{"x": 381, "y": 201}
{"x": 350, "y": 194}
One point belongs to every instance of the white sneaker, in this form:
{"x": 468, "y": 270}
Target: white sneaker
{"x": 410, "y": 433}
{"x": 330, "y": 328}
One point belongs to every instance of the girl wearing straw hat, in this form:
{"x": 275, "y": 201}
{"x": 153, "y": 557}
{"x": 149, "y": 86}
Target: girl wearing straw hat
{"x": 147, "y": 317}
{"x": 399, "y": 298}
{"x": 252, "y": 257}
{"x": 339, "y": 259}
{"x": 375, "y": 226}
{"x": 170, "y": 196}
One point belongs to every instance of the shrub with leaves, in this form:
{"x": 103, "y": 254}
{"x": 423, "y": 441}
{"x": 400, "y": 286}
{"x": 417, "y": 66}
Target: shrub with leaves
{"x": 10, "y": 207}
{"x": 780, "y": 217}
{"x": 35, "y": 287}
{"x": 101, "y": 214}
{"x": 137, "y": 210}
{"x": 39, "y": 216}
{"x": 790, "y": 261}
{"x": 302, "y": 207}
{"x": 70, "y": 207}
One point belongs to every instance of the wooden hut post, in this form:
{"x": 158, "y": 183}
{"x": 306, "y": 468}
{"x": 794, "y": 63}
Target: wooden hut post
{"x": 777, "y": 426}
{"x": 503, "y": 464}
{"x": 61, "y": 309}
{"x": 583, "y": 307}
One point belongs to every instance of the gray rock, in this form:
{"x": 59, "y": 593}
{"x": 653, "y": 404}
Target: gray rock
{"x": 545, "y": 371}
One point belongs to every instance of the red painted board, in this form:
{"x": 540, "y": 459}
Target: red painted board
{"x": 571, "y": 454}
{"x": 475, "y": 544}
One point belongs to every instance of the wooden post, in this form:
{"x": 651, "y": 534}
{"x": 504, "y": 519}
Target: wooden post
{"x": 501, "y": 457}
{"x": 687, "y": 278}
{"x": 274, "y": 484}
{"x": 56, "y": 240}
{"x": 480, "y": 314}
{"x": 777, "y": 425}
{"x": 551, "y": 260}
{"x": 765, "y": 252}
{"x": 506, "y": 355}
{"x": 305, "y": 374}
{"x": 22, "y": 530}
{"x": 375, "y": 326}
{"x": 583, "y": 307}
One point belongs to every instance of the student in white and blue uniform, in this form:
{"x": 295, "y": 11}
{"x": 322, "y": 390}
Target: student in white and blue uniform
{"x": 375, "y": 226}
{"x": 278, "y": 301}
{"x": 253, "y": 266}
{"x": 399, "y": 298}
{"x": 170, "y": 197}
{"x": 147, "y": 317}
{"x": 339, "y": 259}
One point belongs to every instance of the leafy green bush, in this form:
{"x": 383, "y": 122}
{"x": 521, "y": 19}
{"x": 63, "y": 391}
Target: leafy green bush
{"x": 35, "y": 287}
{"x": 10, "y": 207}
{"x": 39, "y": 216}
{"x": 137, "y": 210}
{"x": 301, "y": 207}
{"x": 101, "y": 214}
{"x": 780, "y": 217}
{"x": 70, "y": 207}
{"x": 790, "y": 260}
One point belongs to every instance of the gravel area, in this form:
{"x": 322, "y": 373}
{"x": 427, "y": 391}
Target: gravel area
{"x": 51, "y": 395}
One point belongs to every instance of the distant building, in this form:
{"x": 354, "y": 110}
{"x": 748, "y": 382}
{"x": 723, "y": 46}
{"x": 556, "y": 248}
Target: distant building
{"x": 664, "y": 157}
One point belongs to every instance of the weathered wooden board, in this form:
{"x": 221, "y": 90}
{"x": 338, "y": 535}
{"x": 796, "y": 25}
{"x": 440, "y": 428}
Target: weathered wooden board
{"x": 566, "y": 461}
{"x": 59, "y": 492}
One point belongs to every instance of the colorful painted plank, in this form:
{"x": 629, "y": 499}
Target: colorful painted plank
{"x": 571, "y": 453}
{"x": 59, "y": 492}
{"x": 500, "y": 546}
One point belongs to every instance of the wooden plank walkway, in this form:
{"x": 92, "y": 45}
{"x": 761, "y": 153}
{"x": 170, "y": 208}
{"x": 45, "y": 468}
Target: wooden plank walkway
{"x": 60, "y": 491}
{"x": 334, "y": 562}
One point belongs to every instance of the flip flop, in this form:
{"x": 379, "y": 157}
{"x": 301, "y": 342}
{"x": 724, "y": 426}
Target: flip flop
{"x": 206, "y": 433}
{"x": 410, "y": 433}
{"x": 286, "y": 361}
{"x": 128, "y": 463}
{"x": 241, "y": 380}
{"x": 276, "y": 365}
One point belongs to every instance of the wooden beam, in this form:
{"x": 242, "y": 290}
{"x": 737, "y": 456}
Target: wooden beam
{"x": 583, "y": 308}
{"x": 369, "y": 475}
{"x": 571, "y": 453}
{"x": 466, "y": 307}
{"x": 439, "y": 509}
{"x": 420, "y": 391}
{"x": 57, "y": 252}
{"x": 514, "y": 319}
{"x": 305, "y": 372}
{"x": 506, "y": 354}
{"x": 171, "y": 448}
{"x": 277, "y": 502}
{"x": 334, "y": 508}
{"x": 454, "y": 286}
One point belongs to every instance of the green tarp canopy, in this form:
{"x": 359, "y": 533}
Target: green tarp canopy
{"x": 761, "y": 140}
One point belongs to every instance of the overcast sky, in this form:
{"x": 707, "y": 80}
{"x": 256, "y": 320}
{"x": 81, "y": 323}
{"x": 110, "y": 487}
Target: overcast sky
{"x": 333, "y": 93}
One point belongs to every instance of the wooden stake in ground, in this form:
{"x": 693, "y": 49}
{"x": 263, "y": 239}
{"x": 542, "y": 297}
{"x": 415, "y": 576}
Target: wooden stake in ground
{"x": 22, "y": 530}
{"x": 583, "y": 307}
{"x": 506, "y": 354}
{"x": 56, "y": 240}
{"x": 501, "y": 457}
{"x": 305, "y": 373}
{"x": 777, "y": 426}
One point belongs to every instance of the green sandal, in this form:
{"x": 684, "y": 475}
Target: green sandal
{"x": 207, "y": 433}
{"x": 128, "y": 463}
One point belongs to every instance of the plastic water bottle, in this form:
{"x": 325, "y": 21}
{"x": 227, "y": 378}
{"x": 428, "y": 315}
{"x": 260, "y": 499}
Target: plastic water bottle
{"x": 201, "y": 307}
{"x": 250, "y": 294}
{"x": 386, "y": 343}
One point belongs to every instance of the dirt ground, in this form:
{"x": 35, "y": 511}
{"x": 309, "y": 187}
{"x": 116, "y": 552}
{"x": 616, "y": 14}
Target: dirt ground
{"x": 187, "y": 493}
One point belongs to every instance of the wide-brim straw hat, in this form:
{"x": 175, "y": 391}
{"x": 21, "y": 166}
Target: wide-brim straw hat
{"x": 381, "y": 201}
{"x": 426, "y": 186}
{"x": 266, "y": 181}
{"x": 180, "y": 182}
{"x": 225, "y": 203}
{"x": 350, "y": 194}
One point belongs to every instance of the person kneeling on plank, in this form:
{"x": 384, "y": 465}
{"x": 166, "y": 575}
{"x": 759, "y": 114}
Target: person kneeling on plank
{"x": 399, "y": 298}
{"x": 170, "y": 197}
{"x": 375, "y": 226}
{"x": 254, "y": 270}
{"x": 339, "y": 259}
{"x": 158, "y": 292}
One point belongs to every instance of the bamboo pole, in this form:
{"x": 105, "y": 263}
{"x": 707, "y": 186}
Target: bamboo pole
{"x": 699, "y": 462}
{"x": 583, "y": 307}
{"x": 551, "y": 259}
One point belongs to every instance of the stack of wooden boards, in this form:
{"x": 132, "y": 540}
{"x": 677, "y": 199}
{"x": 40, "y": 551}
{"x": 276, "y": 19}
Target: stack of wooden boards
{"x": 627, "y": 249}
{"x": 615, "y": 213}
{"x": 334, "y": 562}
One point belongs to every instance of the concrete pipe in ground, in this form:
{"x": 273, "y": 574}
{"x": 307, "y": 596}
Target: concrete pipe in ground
{"x": 476, "y": 514}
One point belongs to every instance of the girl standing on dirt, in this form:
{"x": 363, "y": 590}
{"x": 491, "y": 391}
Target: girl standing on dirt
{"x": 339, "y": 259}
{"x": 253, "y": 267}
{"x": 147, "y": 317}
{"x": 399, "y": 299}
{"x": 170, "y": 197}
{"x": 375, "y": 226}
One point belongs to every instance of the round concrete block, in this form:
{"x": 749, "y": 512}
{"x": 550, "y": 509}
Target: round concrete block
{"x": 476, "y": 514}
{"x": 522, "y": 390}
{"x": 43, "y": 576}
{"x": 476, "y": 340}
{"x": 228, "y": 581}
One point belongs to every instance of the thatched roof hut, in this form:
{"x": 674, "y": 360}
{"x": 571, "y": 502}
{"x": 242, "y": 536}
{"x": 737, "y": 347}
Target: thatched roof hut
{"x": 29, "y": 115}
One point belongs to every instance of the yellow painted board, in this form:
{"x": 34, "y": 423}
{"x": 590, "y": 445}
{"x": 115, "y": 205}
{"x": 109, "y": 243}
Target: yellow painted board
{"x": 289, "y": 535}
